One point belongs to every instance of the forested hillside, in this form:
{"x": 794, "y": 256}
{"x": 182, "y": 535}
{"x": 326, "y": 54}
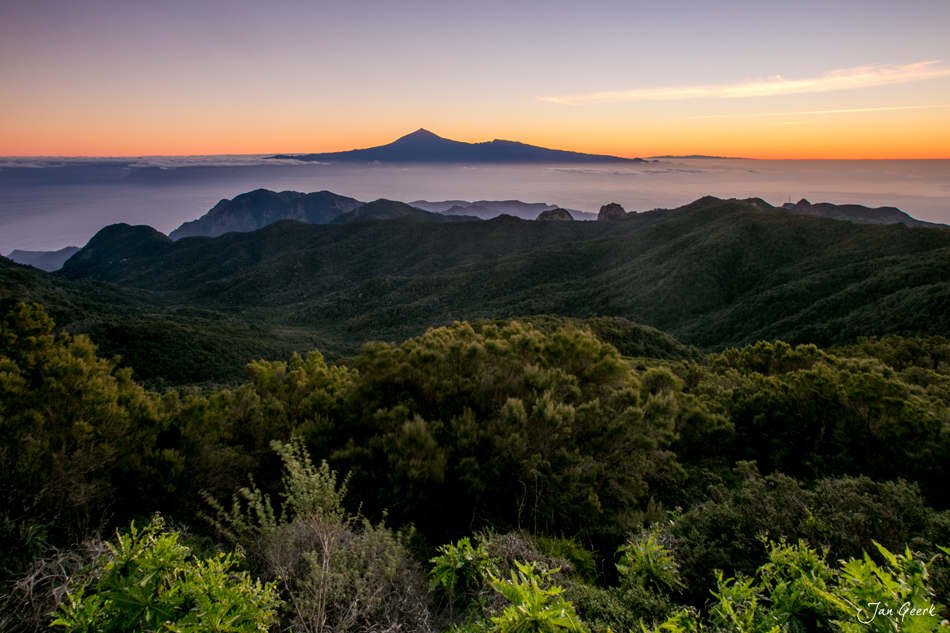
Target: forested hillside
{"x": 719, "y": 417}
{"x": 712, "y": 274}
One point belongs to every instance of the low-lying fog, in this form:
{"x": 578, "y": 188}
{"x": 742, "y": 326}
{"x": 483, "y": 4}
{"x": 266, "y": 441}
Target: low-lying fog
{"x": 49, "y": 203}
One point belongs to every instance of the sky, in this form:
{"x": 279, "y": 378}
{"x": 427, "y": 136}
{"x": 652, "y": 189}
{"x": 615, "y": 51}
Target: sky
{"x": 831, "y": 79}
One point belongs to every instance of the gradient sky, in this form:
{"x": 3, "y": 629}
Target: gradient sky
{"x": 828, "y": 79}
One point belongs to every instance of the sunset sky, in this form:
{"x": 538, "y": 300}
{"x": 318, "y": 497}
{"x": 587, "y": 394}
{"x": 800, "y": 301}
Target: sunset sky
{"x": 828, "y": 79}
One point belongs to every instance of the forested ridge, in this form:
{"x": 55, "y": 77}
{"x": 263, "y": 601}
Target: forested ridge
{"x": 713, "y": 274}
{"x": 498, "y": 476}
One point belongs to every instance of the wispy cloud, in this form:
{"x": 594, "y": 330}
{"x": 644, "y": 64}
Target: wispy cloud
{"x": 844, "y": 79}
{"x": 732, "y": 116}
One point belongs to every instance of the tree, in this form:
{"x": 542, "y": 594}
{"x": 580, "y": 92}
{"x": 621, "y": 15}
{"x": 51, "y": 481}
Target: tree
{"x": 77, "y": 437}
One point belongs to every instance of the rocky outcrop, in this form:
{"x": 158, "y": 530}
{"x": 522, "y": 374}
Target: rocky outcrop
{"x": 556, "y": 214}
{"x": 612, "y": 211}
{"x": 256, "y": 209}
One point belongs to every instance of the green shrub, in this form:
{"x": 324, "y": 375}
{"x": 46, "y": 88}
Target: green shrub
{"x": 648, "y": 562}
{"x": 617, "y": 608}
{"x": 151, "y": 582}
{"x": 462, "y": 570}
{"x": 582, "y": 560}
{"x": 798, "y": 591}
{"x": 534, "y": 608}
{"x": 337, "y": 571}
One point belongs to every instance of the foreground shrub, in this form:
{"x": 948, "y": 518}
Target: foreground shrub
{"x": 536, "y": 606}
{"x": 465, "y": 573}
{"x": 846, "y": 516}
{"x": 151, "y": 582}
{"x": 797, "y": 590}
{"x": 647, "y": 561}
{"x": 620, "y": 608}
{"x": 337, "y": 571}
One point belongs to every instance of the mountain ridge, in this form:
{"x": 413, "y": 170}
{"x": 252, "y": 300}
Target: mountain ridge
{"x": 713, "y": 273}
{"x": 488, "y": 209}
{"x": 858, "y": 213}
{"x": 256, "y": 209}
{"x": 422, "y": 146}
{"x": 48, "y": 261}
{"x": 384, "y": 209}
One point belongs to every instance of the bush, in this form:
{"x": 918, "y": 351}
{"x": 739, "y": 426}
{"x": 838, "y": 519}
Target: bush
{"x": 150, "y": 581}
{"x": 617, "y": 608}
{"x": 846, "y": 516}
{"x": 337, "y": 572}
{"x": 646, "y": 561}
{"x": 534, "y": 608}
{"x": 798, "y": 591}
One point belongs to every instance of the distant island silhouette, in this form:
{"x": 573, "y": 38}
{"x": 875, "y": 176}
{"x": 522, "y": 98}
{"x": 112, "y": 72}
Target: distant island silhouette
{"x": 422, "y": 146}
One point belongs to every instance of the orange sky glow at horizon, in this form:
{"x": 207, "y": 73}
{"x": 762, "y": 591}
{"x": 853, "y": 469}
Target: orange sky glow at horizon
{"x": 107, "y": 78}
{"x": 922, "y": 139}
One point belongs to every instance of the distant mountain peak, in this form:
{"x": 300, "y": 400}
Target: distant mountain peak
{"x": 421, "y": 133}
{"x": 422, "y": 146}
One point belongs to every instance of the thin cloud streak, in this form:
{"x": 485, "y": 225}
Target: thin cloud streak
{"x": 733, "y": 116}
{"x": 844, "y": 79}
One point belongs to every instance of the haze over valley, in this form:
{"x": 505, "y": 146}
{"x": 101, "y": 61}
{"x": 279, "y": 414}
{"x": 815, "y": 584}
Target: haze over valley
{"x": 48, "y": 204}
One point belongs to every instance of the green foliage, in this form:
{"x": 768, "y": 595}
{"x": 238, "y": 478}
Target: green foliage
{"x": 151, "y": 583}
{"x": 583, "y": 562}
{"x": 530, "y": 430}
{"x": 336, "y": 571}
{"x": 647, "y": 561}
{"x": 629, "y": 338}
{"x": 534, "y": 608}
{"x": 620, "y": 608}
{"x": 464, "y": 572}
{"x": 309, "y": 491}
{"x": 77, "y": 438}
{"x": 461, "y": 568}
{"x": 547, "y": 430}
{"x": 844, "y": 516}
{"x": 811, "y": 414}
{"x": 901, "y": 584}
{"x": 797, "y": 591}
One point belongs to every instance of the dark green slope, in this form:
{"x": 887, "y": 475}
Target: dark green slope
{"x": 383, "y": 209}
{"x": 713, "y": 274}
{"x": 290, "y": 261}
{"x": 724, "y": 275}
{"x": 160, "y": 337}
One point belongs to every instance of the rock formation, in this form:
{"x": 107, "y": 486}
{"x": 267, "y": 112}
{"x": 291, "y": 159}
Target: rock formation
{"x": 556, "y": 214}
{"x": 612, "y": 211}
